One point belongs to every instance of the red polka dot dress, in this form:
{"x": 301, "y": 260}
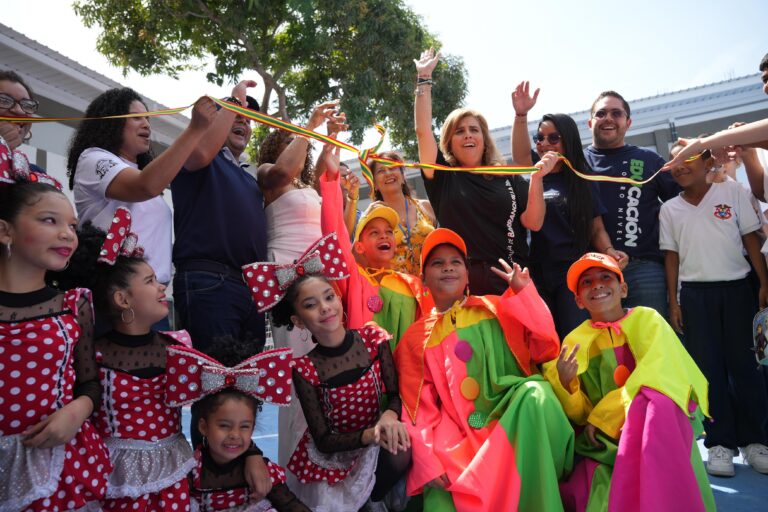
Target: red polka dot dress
{"x": 47, "y": 360}
{"x": 150, "y": 455}
{"x": 217, "y": 487}
{"x": 340, "y": 390}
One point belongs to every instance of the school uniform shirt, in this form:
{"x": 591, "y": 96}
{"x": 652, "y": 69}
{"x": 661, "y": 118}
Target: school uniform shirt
{"x": 151, "y": 220}
{"x": 708, "y": 236}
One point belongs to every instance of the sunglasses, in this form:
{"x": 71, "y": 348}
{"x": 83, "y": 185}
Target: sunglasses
{"x": 615, "y": 113}
{"x": 552, "y": 138}
{"x": 27, "y": 105}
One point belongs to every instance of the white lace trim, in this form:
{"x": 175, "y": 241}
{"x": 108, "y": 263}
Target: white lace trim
{"x": 349, "y": 494}
{"x": 338, "y": 460}
{"x": 143, "y": 467}
{"x": 27, "y": 474}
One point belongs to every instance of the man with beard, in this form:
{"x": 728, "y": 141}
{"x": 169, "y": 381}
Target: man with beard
{"x": 632, "y": 218}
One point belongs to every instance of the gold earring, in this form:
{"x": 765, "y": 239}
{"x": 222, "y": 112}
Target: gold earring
{"x": 122, "y": 315}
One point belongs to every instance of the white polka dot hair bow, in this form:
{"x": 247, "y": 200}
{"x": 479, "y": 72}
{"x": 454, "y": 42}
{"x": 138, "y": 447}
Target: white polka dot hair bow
{"x": 120, "y": 240}
{"x": 268, "y": 281}
{"x": 191, "y": 375}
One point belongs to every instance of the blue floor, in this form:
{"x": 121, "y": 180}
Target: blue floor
{"x": 746, "y": 492}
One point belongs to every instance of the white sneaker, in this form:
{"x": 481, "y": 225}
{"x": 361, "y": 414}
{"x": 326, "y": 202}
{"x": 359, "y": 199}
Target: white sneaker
{"x": 756, "y": 456}
{"x": 720, "y": 461}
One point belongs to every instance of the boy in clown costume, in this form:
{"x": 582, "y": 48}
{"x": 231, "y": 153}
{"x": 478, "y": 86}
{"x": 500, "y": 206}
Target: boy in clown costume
{"x": 630, "y": 387}
{"x": 487, "y": 432}
{"x": 373, "y": 291}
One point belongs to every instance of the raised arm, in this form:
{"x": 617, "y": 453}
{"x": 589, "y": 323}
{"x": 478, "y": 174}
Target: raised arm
{"x": 751, "y": 133}
{"x": 274, "y": 176}
{"x": 133, "y": 185}
{"x": 203, "y": 153}
{"x": 422, "y": 109}
{"x": 533, "y": 216}
{"x": 523, "y": 102}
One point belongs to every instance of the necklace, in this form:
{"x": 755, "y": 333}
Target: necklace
{"x": 407, "y": 231}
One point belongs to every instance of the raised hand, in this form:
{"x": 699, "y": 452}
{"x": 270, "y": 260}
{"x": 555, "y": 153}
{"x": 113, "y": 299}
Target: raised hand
{"x": 427, "y": 63}
{"x": 12, "y": 133}
{"x": 516, "y": 277}
{"x": 327, "y": 111}
{"x": 567, "y": 367}
{"x": 522, "y": 101}
{"x": 240, "y": 90}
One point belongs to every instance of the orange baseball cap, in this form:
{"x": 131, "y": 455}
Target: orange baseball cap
{"x": 590, "y": 260}
{"x": 438, "y": 237}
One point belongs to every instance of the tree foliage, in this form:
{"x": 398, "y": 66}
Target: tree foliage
{"x": 305, "y": 51}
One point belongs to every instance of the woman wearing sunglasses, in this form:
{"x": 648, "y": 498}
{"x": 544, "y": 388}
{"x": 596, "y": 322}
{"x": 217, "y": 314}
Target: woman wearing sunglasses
{"x": 571, "y": 221}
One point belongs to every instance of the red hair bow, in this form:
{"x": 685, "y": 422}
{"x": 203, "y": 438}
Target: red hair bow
{"x": 14, "y": 168}
{"x": 268, "y": 280}
{"x": 191, "y": 375}
{"x": 120, "y": 240}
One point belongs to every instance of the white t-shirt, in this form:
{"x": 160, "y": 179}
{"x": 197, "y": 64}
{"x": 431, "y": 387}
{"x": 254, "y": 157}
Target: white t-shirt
{"x": 708, "y": 236}
{"x": 152, "y": 220}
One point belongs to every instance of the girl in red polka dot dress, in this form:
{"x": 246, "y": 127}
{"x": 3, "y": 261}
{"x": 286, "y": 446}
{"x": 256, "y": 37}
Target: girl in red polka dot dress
{"x": 51, "y": 457}
{"x": 150, "y": 455}
{"x": 341, "y": 383}
{"x": 229, "y": 388}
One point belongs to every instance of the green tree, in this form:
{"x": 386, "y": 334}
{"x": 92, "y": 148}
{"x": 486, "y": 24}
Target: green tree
{"x": 305, "y": 51}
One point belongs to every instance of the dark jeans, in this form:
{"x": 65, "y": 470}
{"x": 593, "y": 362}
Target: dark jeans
{"x": 717, "y": 318}
{"x": 646, "y": 280}
{"x": 214, "y": 305}
{"x": 551, "y": 283}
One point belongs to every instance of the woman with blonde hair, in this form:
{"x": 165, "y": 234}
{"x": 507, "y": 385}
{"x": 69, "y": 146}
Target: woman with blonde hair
{"x": 491, "y": 213}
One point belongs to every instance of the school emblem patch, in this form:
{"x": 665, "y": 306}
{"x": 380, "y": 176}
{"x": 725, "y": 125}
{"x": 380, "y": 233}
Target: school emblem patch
{"x": 722, "y": 211}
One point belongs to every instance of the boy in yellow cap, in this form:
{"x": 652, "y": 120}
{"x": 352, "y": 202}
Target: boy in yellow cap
{"x": 375, "y": 292}
{"x": 630, "y": 388}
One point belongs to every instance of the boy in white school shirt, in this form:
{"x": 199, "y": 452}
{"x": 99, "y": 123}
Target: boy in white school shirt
{"x": 703, "y": 231}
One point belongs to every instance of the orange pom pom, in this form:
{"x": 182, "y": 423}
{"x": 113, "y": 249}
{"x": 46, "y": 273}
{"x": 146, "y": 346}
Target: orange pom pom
{"x": 620, "y": 375}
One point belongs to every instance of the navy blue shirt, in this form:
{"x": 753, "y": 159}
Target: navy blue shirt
{"x": 218, "y": 214}
{"x": 555, "y": 240}
{"x": 632, "y": 216}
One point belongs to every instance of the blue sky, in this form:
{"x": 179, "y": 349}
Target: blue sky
{"x": 572, "y": 49}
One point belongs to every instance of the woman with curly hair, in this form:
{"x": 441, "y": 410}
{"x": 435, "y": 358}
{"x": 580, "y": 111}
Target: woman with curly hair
{"x": 110, "y": 164}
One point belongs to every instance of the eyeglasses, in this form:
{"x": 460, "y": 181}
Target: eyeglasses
{"x": 27, "y": 105}
{"x": 552, "y": 138}
{"x": 615, "y": 113}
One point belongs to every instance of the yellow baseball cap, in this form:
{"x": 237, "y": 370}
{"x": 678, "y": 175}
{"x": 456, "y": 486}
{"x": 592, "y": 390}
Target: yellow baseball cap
{"x": 590, "y": 260}
{"x": 378, "y": 212}
{"x": 438, "y": 237}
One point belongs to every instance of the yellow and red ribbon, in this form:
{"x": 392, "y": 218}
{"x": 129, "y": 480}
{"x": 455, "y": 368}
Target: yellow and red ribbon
{"x": 362, "y": 155}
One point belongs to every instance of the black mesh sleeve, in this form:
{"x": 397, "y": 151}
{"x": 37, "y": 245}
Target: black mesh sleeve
{"x": 86, "y": 371}
{"x": 325, "y": 439}
{"x": 389, "y": 376}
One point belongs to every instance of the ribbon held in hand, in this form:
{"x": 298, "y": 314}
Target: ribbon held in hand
{"x": 268, "y": 280}
{"x": 120, "y": 241}
{"x": 191, "y": 375}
